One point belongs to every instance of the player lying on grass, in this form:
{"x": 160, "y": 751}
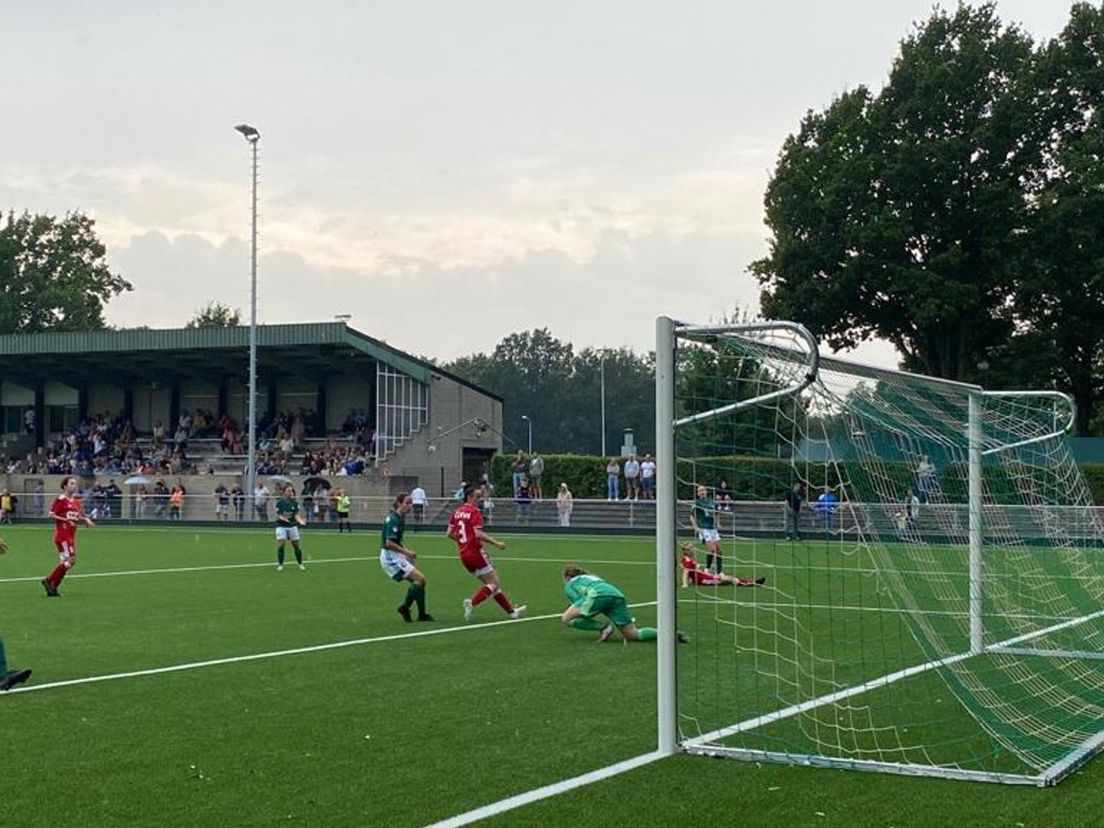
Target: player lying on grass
{"x": 397, "y": 560}
{"x": 591, "y": 596}
{"x": 694, "y": 574}
{"x": 9, "y": 678}
{"x": 466, "y": 528}
{"x": 288, "y": 521}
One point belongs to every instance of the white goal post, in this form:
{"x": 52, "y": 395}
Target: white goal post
{"x": 934, "y": 603}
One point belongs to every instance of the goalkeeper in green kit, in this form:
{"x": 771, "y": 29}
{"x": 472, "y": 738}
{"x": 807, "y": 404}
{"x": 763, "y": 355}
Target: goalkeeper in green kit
{"x": 591, "y": 596}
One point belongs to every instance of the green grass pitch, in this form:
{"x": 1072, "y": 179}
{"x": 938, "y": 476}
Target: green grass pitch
{"x": 412, "y": 724}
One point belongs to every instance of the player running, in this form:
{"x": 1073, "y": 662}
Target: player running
{"x": 397, "y": 560}
{"x": 693, "y": 574}
{"x": 67, "y": 513}
{"x": 288, "y": 521}
{"x": 591, "y": 596}
{"x": 703, "y": 519}
{"x": 466, "y": 528}
{"x": 9, "y": 678}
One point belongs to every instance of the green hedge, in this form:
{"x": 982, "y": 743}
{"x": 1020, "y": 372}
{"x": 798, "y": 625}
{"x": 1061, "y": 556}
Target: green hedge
{"x": 748, "y": 478}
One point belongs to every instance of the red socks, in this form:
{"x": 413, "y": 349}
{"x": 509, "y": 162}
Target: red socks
{"x": 481, "y": 595}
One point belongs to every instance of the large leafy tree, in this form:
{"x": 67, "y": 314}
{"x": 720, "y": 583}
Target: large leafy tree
{"x": 899, "y": 215}
{"x": 1060, "y": 301}
{"x": 53, "y": 274}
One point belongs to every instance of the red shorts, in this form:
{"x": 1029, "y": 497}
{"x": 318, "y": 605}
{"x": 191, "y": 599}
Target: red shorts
{"x": 700, "y": 578}
{"x": 67, "y": 550}
{"x": 477, "y": 563}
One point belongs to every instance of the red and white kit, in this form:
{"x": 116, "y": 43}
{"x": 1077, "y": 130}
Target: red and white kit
{"x": 462, "y": 525}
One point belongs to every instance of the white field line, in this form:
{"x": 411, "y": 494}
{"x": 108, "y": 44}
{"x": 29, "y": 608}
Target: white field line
{"x": 883, "y": 681}
{"x": 270, "y": 565}
{"x": 314, "y": 648}
{"x": 554, "y": 789}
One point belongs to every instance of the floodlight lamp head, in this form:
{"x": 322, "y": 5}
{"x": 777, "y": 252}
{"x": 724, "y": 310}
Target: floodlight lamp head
{"x": 251, "y": 134}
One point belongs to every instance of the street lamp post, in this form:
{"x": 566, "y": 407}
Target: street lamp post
{"x": 530, "y": 422}
{"x": 983, "y": 366}
{"x": 252, "y": 136}
{"x": 602, "y": 373}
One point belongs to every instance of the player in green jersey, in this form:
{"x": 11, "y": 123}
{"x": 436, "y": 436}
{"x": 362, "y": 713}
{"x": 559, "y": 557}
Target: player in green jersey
{"x": 288, "y": 521}
{"x": 397, "y": 560}
{"x": 703, "y": 519}
{"x": 9, "y": 678}
{"x": 591, "y": 596}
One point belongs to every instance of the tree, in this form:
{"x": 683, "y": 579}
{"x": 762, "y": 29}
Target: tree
{"x": 899, "y": 215}
{"x": 215, "y": 315}
{"x": 1060, "y": 302}
{"x": 53, "y": 275}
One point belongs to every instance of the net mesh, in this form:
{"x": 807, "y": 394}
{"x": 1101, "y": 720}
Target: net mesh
{"x": 857, "y": 649}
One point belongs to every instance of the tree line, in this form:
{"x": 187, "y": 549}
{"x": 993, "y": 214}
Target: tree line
{"x": 959, "y": 211}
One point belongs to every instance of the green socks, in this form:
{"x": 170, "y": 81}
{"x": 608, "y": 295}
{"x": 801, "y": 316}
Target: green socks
{"x": 3, "y": 659}
{"x": 280, "y": 555}
{"x": 415, "y": 594}
{"x": 646, "y": 633}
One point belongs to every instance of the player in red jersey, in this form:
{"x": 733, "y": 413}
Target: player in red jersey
{"x": 466, "y": 528}
{"x": 693, "y": 574}
{"x": 67, "y": 513}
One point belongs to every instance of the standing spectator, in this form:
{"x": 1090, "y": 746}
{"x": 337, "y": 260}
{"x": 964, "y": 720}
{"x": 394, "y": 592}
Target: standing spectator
{"x": 260, "y": 501}
{"x": 536, "y": 472}
{"x": 520, "y": 467}
{"x": 632, "y": 478}
{"x": 647, "y": 477}
{"x": 613, "y": 479}
{"x": 565, "y": 502}
{"x": 29, "y": 421}
{"x": 140, "y": 498}
{"x": 825, "y": 507}
{"x": 114, "y": 499}
{"x": 912, "y": 512}
{"x": 40, "y": 498}
{"x": 5, "y": 506}
{"x": 176, "y": 502}
{"x": 222, "y": 502}
{"x": 418, "y": 498}
{"x": 925, "y": 479}
{"x": 794, "y": 498}
{"x": 342, "y": 512}
{"x": 524, "y": 501}
{"x": 160, "y": 499}
{"x": 237, "y": 496}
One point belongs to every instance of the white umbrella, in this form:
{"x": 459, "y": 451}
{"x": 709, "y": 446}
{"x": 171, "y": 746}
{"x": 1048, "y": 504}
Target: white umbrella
{"x": 137, "y": 480}
{"x": 281, "y": 479}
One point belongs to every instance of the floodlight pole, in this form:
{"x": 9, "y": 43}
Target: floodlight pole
{"x": 253, "y": 137}
{"x": 602, "y": 373}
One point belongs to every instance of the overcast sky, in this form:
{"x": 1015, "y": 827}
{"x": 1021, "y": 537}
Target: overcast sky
{"x": 446, "y": 172}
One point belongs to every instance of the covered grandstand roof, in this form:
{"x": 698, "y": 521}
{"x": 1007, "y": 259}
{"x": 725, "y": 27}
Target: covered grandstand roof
{"x": 315, "y": 349}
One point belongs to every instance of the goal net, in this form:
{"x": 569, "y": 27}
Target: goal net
{"x": 934, "y": 583}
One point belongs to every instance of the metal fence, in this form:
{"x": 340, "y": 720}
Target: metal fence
{"x": 934, "y": 523}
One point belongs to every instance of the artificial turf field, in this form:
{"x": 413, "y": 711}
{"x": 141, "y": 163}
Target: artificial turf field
{"x": 406, "y": 725}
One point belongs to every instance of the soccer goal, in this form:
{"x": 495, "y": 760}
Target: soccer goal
{"x": 935, "y": 605}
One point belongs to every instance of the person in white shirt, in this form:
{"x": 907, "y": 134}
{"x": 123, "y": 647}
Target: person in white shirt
{"x": 564, "y": 504}
{"x": 419, "y": 499}
{"x": 647, "y": 477}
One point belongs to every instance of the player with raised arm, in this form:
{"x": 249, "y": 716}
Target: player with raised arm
{"x": 693, "y": 574}
{"x": 591, "y": 596}
{"x": 703, "y": 518}
{"x": 288, "y": 521}
{"x": 465, "y": 527}
{"x": 9, "y": 678}
{"x": 397, "y": 560}
{"x": 67, "y": 512}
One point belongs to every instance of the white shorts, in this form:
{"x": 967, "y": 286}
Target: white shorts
{"x": 222, "y": 508}
{"x": 709, "y": 536}
{"x": 290, "y": 533}
{"x": 396, "y": 566}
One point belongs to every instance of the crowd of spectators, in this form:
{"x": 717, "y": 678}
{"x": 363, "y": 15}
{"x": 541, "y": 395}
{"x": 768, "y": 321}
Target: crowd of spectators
{"x": 105, "y": 445}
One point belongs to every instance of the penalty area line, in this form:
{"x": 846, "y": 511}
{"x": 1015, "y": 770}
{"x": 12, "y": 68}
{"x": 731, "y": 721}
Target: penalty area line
{"x": 313, "y": 648}
{"x": 547, "y": 791}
